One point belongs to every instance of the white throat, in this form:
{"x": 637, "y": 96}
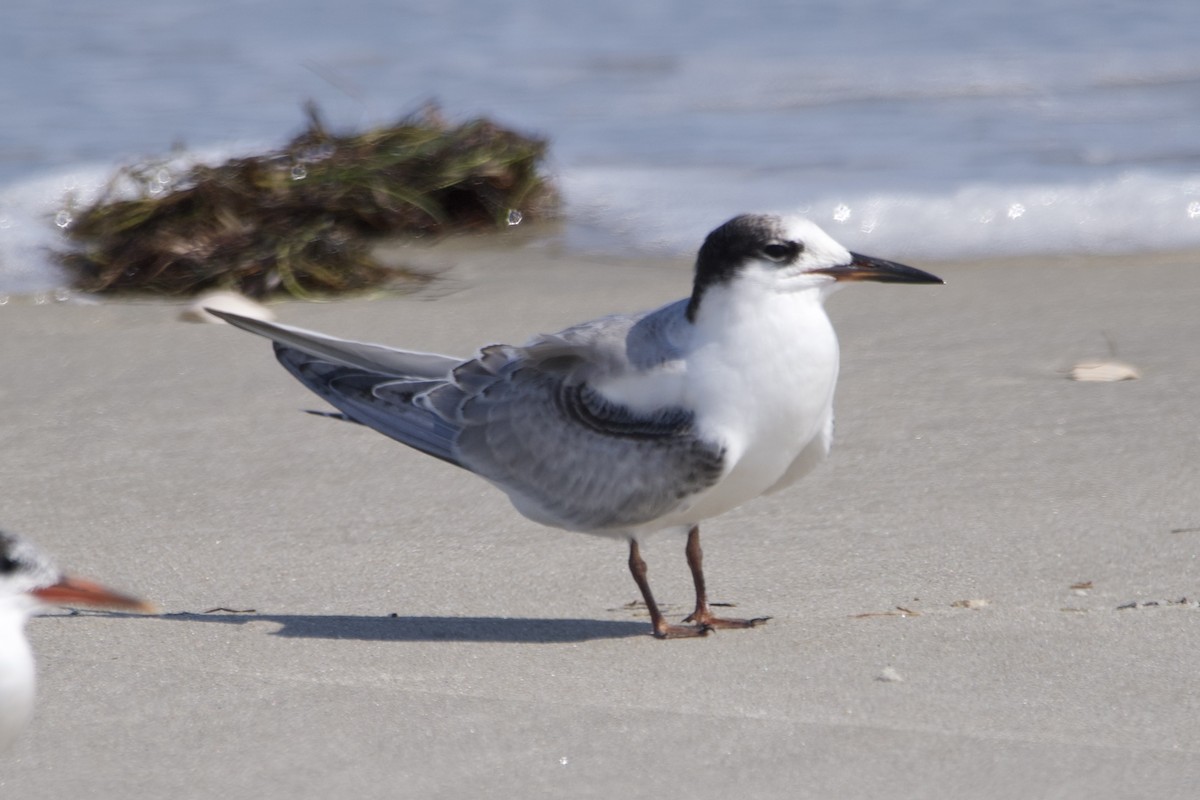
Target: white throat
{"x": 780, "y": 351}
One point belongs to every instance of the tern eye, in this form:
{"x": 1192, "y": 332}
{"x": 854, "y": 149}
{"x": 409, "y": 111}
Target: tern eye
{"x": 782, "y": 251}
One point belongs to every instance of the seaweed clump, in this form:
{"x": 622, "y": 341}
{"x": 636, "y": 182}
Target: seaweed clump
{"x": 303, "y": 220}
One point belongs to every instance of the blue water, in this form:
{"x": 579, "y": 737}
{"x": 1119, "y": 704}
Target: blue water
{"x": 921, "y": 129}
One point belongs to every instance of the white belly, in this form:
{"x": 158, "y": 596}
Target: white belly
{"x": 770, "y": 406}
{"x": 16, "y": 679}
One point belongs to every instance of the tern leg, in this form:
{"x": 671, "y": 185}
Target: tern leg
{"x": 662, "y": 630}
{"x": 703, "y": 614}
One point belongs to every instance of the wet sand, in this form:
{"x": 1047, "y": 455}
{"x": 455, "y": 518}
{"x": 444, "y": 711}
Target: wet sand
{"x": 988, "y": 591}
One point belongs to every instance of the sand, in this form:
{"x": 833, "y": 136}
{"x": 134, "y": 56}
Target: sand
{"x": 989, "y": 590}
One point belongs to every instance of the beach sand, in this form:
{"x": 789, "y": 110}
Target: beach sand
{"x": 344, "y": 617}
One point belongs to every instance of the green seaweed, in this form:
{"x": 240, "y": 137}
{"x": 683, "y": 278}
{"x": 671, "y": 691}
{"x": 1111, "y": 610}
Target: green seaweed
{"x": 304, "y": 220}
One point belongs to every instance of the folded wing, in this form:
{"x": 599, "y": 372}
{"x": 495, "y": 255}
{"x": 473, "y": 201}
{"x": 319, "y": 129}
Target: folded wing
{"x": 525, "y": 418}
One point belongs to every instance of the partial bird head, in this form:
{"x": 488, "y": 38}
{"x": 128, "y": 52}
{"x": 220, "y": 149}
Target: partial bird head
{"x": 787, "y": 254}
{"x": 29, "y": 581}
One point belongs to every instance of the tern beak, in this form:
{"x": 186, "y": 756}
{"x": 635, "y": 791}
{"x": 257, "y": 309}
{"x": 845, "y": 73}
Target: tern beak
{"x": 73, "y": 591}
{"x": 866, "y": 268}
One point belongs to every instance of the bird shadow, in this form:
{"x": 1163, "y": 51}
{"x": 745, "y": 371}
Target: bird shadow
{"x": 428, "y": 629}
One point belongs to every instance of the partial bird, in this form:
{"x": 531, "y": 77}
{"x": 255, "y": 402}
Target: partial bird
{"x": 29, "y": 583}
{"x": 629, "y": 424}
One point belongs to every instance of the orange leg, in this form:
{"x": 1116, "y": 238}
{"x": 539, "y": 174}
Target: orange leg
{"x": 703, "y": 614}
{"x": 662, "y": 630}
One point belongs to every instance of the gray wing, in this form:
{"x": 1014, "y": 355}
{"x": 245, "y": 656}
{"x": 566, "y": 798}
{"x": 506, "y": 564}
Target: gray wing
{"x": 525, "y": 418}
{"x": 375, "y": 358}
{"x": 565, "y": 455}
{"x": 346, "y": 374}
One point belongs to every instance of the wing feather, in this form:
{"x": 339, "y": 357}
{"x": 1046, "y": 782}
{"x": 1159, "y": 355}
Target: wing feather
{"x": 529, "y": 419}
{"x": 375, "y": 358}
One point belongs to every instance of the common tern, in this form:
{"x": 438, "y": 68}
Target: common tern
{"x": 629, "y": 424}
{"x": 29, "y": 583}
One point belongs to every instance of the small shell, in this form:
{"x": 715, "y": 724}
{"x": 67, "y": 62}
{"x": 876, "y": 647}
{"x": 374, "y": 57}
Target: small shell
{"x": 1103, "y": 371}
{"x": 889, "y": 675}
{"x": 232, "y": 302}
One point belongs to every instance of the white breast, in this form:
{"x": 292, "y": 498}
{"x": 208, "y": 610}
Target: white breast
{"x": 16, "y": 676}
{"x": 761, "y": 379}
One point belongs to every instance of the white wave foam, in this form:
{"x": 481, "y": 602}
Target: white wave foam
{"x": 671, "y": 210}
{"x": 30, "y": 229}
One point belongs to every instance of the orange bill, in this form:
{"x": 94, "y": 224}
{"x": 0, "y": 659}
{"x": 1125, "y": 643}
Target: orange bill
{"x": 73, "y": 591}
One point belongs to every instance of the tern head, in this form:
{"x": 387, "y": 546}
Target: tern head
{"x": 29, "y": 581}
{"x": 786, "y": 254}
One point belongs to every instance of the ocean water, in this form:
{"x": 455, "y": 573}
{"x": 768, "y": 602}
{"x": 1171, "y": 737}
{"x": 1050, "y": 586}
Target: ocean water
{"x": 914, "y": 129}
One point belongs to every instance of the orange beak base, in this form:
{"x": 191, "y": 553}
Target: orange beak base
{"x": 73, "y": 591}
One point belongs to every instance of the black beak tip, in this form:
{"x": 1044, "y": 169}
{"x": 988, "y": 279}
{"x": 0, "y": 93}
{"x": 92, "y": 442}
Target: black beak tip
{"x": 868, "y": 268}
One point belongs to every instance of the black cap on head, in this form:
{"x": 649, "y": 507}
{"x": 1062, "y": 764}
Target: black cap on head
{"x": 727, "y": 248}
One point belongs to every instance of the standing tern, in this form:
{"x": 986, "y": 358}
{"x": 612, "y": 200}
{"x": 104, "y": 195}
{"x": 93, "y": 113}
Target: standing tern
{"x": 29, "y": 582}
{"x": 629, "y": 424}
